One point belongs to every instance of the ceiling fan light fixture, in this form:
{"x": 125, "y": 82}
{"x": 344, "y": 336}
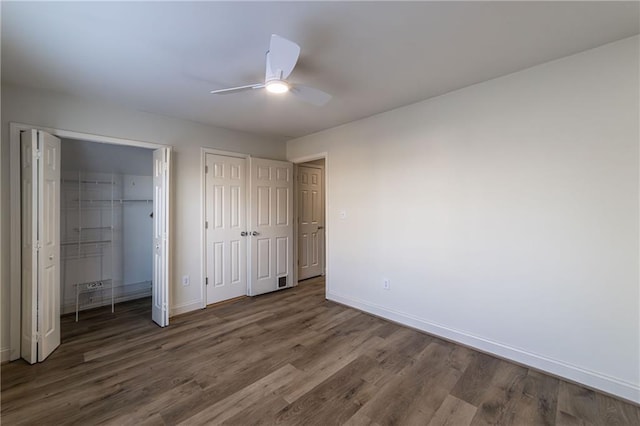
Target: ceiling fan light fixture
{"x": 277, "y": 86}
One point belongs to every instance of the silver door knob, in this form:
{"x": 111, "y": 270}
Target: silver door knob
{"x": 254, "y": 233}
{"x": 244, "y": 233}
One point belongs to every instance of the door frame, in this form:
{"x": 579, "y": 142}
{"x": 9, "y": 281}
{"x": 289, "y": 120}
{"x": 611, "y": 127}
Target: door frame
{"x": 297, "y": 161}
{"x": 15, "y": 273}
{"x": 203, "y": 212}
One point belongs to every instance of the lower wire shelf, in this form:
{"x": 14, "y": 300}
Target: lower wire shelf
{"x": 92, "y": 286}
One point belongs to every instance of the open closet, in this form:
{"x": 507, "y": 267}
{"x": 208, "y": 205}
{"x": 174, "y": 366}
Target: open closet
{"x": 106, "y": 225}
{"x": 90, "y": 227}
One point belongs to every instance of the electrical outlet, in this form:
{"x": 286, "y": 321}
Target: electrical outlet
{"x": 386, "y": 284}
{"x": 185, "y": 280}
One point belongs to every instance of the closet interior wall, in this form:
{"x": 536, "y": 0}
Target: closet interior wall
{"x": 106, "y": 224}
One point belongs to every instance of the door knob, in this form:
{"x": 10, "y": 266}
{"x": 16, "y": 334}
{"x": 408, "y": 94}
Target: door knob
{"x": 50, "y": 257}
{"x": 254, "y": 233}
{"x": 320, "y": 227}
{"x": 244, "y": 233}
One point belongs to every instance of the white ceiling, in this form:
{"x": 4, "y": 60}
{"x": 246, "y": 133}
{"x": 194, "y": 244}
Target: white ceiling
{"x": 372, "y": 56}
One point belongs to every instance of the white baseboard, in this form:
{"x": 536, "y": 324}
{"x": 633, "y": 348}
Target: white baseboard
{"x": 592, "y": 379}
{"x": 183, "y": 308}
{"x": 5, "y": 354}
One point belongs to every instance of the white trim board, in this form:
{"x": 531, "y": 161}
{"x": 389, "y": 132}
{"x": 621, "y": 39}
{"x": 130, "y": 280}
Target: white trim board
{"x": 14, "y": 213}
{"x": 4, "y": 355}
{"x": 592, "y": 379}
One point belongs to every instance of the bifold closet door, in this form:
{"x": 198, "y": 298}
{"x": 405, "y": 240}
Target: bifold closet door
{"x": 270, "y": 225}
{"x": 40, "y": 188}
{"x": 161, "y": 272}
{"x": 225, "y": 227}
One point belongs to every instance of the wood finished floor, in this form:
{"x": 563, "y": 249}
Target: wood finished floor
{"x": 285, "y": 358}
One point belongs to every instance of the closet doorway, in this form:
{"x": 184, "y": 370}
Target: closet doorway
{"x": 106, "y": 225}
{"x": 103, "y": 208}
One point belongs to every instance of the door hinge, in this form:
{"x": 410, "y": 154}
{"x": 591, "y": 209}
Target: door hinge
{"x": 206, "y": 224}
{"x": 206, "y": 281}
{"x": 37, "y": 154}
{"x": 38, "y": 245}
{"x": 206, "y": 169}
{"x": 38, "y": 338}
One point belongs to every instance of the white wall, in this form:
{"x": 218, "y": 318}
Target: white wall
{"x": 505, "y": 215}
{"x": 137, "y": 230}
{"x": 48, "y": 109}
{"x": 106, "y": 158}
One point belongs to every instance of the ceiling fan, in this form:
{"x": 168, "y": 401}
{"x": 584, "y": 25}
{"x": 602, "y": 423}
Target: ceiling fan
{"x": 281, "y": 59}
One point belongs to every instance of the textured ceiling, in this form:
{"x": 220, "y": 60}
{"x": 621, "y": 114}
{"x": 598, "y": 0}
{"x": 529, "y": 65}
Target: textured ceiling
{"x": 372, "y": 56}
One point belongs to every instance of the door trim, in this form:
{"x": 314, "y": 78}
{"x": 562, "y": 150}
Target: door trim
{"x": 203, "y": 213}
{"x": 297, "y": 161}
{"x": 15, "y": 273}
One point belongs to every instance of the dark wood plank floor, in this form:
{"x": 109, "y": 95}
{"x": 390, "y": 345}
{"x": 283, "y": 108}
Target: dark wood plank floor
{"x": 285, "y": 358}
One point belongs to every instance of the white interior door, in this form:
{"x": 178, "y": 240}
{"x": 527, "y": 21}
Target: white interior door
{"x": 310, "y": 222}
{"x": 270, "y": 225}
{"x": 49, "y": 254}
{"x": 29, "y": 193}
{"x": 160, "y": 288}
{"x": 226, "y": 236}
{"x": 40, "y": 245}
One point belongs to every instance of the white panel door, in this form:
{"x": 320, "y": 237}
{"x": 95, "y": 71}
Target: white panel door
{"x": 160, "y": 288}
{"x": 270, "y": 225}
{"x": 49, "y": 254}
{"x": 225, "y": 223}
{"x": 29, "y": 194}
{"x": 310, "y": 222}
{"x": 40, "y": 245}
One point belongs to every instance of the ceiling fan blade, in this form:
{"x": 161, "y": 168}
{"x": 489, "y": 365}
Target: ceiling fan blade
{"x": 310, "y": 95}
{"x": 281, "y": 57}
{"x": 237, "y": 89}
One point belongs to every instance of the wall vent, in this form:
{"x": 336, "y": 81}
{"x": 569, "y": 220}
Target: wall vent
{"x": 282, "y": 281}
